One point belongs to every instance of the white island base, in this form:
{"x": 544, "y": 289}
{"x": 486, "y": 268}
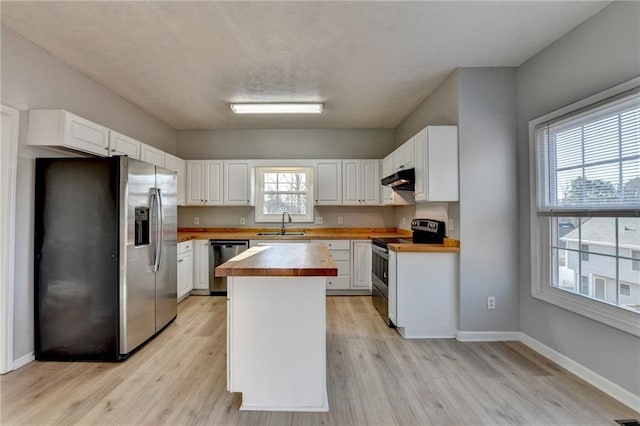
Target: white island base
{"x": 276, "y": 342}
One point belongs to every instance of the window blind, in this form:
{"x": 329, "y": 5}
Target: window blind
{"x": 588, "y": 162}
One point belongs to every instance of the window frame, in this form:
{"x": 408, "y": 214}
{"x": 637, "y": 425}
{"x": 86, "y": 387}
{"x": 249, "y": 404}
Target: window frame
{"x": 277, "y": 218}
{"x": 540, "y": 232}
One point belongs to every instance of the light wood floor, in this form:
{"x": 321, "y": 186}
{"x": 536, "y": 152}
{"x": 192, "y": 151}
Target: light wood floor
{"x": 374, "y": 378}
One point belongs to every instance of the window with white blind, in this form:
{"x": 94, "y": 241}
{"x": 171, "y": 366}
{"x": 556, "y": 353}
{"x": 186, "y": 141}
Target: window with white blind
{"x": 284, "y": 189}
{"x": 586, "y": 220}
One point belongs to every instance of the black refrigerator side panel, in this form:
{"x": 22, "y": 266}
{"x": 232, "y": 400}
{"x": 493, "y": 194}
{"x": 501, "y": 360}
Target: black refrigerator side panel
{"x": 76, "y": 259}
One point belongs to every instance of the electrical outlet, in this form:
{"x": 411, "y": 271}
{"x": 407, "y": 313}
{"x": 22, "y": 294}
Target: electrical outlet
{"x": 491, "y": 302}
{"x": 404, "y": 220}
{"x": 450, "y": 224}
{"x": 242, "y": 221}
{"x": 340, "y": 220}
{"x": 196, "y": 221}
{"x": 319, "y": 220}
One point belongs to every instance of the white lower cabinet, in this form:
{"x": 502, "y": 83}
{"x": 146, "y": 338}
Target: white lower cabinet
{"x": 361, "y": 272}
{"x": 423, "y": 294}
{"x": 340, "y": 250}
{"x": 201, "y": 265}
{"x": 185, "y": 269}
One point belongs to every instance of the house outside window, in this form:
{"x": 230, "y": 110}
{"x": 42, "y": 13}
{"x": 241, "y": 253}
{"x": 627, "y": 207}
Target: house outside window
{"x": 635, "y": 262}
{"x": 284, "y": 189}
{"x": 586, "y": 222}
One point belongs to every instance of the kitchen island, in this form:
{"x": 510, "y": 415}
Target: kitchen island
{"x": 276, "y": 326}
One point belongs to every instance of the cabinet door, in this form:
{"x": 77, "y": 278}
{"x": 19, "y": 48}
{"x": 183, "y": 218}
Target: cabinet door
{"x": 179, "y": 166}
{"x": 238, "y": 185}
{"x": 328, "y": 183}
{"x": 201, "y": 265}
{"x": 85, "y": 135}
{"x": 351, "y": 182}
{"x": 370, "y": 182}
{"x": 213, "y": 184}
{"x": 120, "y": 144}
{"x": 195, "y": 182}
{"x": 151, "y": 155}
{"x": 436, "y": 149}
{"x": 185, "y": 274}
{"x": 361, "y": 274}
{"x": 386, "y": 167}
{"x": 442, "y": 168}
{"x": 404, "y": 156}
{"x": 421, "y": 182}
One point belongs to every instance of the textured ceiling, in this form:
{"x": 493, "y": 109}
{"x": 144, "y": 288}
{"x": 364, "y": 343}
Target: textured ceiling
{"x": 371, "y": 63}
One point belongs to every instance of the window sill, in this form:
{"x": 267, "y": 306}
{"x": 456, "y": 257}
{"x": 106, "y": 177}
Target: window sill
{"x": 612, "y": 316}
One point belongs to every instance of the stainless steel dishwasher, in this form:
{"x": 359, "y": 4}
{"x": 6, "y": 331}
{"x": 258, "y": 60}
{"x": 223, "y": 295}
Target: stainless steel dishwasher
{"x": 219, "y": 252}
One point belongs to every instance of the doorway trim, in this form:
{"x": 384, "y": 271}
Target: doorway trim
{"x": 8, "y": 172}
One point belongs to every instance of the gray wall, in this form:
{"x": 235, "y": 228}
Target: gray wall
{"x": 482, "y": 102}
{"x": 439, "y": 108}
{"x": 488, "y": 199}
{"x": 596, "y": 55}
{"x": 32, "y": 78}
{"x": 285, "y": 143}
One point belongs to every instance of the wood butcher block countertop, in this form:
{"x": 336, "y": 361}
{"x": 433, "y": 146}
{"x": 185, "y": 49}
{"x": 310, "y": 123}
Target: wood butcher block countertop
{"x": 449, "y": 246}
{"x": 282, "y": 260}
{"x": 186, "y": 234}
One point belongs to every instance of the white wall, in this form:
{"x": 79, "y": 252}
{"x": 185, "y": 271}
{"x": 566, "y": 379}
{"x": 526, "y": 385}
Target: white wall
{"x": 598, "y": 54}
{"x": 32, "y": 78}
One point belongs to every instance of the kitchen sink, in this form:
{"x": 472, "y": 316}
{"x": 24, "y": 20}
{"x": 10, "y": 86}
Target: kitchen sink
{"x": 278, "y": 234}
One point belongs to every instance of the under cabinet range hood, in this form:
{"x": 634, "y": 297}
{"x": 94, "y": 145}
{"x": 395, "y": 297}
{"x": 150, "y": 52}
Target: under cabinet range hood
{"x": 401, "y": 180}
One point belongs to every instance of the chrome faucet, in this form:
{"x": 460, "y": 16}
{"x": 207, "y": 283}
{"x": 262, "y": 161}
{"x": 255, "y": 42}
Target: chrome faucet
{"x": 282, "y": 228}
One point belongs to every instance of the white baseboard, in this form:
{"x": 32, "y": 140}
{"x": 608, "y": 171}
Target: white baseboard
{"x": 487, "y": 336}
{"x": 594, "y": 379}
{"x": 23, "y": 360}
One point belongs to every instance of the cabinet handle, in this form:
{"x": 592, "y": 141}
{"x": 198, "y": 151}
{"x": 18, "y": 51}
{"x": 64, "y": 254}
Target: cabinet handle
{"x": 180, "y": 261}
{"x": 401, "y": 167}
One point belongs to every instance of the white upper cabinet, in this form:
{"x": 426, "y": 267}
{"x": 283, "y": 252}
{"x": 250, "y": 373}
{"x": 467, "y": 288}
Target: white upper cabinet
{"x": 204, "y": 182}
{"x": 386, "y": 168}
{"x": 151, "y": 155}
{"x": 360, "y": 182}
{"x": 59, "y": 128}
{"x": 238, "y": 183}
{"x": 328, "y": 182}
{"x": 120, "y": 144}
{"x": 213, "y": 182}
{"x": 403, "y": 157}
{"x": 179, "y": 166}
{"x": 436, "y": 152}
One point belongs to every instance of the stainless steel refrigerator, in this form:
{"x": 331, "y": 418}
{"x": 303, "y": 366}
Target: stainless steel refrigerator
{"x": 105, "y": 256}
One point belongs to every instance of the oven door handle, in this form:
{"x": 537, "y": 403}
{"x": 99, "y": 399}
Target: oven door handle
{"x": 382, "y": 252}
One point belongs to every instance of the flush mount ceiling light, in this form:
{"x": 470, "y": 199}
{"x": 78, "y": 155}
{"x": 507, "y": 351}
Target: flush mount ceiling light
{"x": 278, "y": 108}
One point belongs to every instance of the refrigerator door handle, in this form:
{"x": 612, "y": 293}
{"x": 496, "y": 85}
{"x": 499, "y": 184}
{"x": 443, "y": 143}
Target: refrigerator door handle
{"x": 160, "y": 230}
{"x": 156, "y": 223}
